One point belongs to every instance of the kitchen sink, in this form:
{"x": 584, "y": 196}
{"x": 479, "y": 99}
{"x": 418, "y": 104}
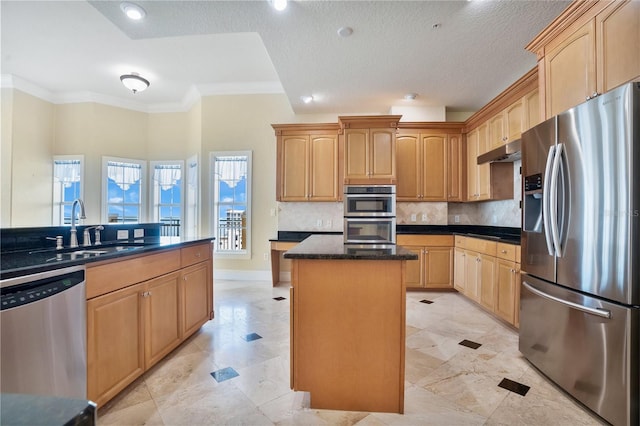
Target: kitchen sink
{"x": 91, "y": 252}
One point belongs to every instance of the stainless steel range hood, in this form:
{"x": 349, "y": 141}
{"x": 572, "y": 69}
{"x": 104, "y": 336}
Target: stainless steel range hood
{"x": 503, "y": 154}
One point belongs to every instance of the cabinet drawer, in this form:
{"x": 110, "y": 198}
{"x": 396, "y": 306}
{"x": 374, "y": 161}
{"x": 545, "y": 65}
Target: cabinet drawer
{"x": 108, "y": 277}
{"x": 425, "y": 240}
{"x": 481, "y": 246}
{"x": 195, "y": 254}
{"x": 460, "y": 241}
{"x": 506, "y": 251}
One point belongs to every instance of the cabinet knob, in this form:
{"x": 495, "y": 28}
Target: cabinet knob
{"x": 503, "y": 251}
{"x": 198, "y": 254}
{"x": 426, "y": 252}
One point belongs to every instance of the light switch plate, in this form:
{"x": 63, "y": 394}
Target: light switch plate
{"x": 122, "y": 234}
{"x": 413, "y": 217}
{"x": 138, "y": 233}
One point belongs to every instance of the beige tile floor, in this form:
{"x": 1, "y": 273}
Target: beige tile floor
{"x": 445, "y": 383}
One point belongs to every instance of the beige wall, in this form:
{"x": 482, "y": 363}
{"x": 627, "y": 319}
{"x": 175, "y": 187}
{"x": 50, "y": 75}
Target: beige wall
{"x": 31, "y": 140}
{"x": 6, "y": 126}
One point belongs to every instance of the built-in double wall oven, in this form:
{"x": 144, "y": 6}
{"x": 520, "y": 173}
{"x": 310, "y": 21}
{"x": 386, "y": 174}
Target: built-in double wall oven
{"x": 370, "y": 214}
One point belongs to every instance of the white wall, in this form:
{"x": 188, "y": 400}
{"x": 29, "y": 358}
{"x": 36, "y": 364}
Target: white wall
{"x": 6, "y": 167}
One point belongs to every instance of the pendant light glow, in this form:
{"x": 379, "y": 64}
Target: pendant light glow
{"x": 134, "y": 82}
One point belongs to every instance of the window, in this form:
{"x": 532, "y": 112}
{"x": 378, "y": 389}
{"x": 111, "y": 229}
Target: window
{"x": 166, "y": 196}
{"x": 232, "y": 202}
{"x": 123, "y": 190}
{"x": 68, "y": 175}
{"x": 192, "y": 195}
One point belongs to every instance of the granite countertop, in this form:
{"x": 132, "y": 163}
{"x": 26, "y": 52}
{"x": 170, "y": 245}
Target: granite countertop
{"x": 18, "y": 409}
{"x": 25, "y": 262}
{"x": 333, "y": 247}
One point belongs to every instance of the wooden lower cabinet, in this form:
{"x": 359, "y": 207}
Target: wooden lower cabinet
{"x": 434, "y": 267}
{"x": 162, "y": 317}
{"x": 133, "y": 326}
{"x": 507, "y": 295}
{"x": 489, "y": 276}
{"x": 115, "y": 342}
{"x": 193, "y": 286}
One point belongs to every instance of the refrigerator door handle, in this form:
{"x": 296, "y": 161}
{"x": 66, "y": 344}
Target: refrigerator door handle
{"x": 545, "y": 201}
{"x": 592, "y": 311}
{"x": 553, "y": 204}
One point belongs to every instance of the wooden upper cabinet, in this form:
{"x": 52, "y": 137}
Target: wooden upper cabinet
{"x": 456, "y": 170}
{"x": 570, "y": 70}
{"x": 591, "y": 48}
{"x": 497, "y": 131}
{"x": 514, "y": 120}
{"x": 472, "y": 165}
{"x": 618, "y": 44}
{"x": 369, "y": 148}
{"x": 531, "y": 114}
{"x": 308, "y": 163}
{"x": 435, "y": 160}
{"x": 409, "y": 167}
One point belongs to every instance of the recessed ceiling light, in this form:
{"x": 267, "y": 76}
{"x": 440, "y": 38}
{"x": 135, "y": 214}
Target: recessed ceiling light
{"x": 436, "y": 26}
{"x": 345, "y": 31}
{"x": 132, "y": 10}
{"x": 279, "y": 5}
{"x": 411, "y": 96}
{"x": 306, "y": 99}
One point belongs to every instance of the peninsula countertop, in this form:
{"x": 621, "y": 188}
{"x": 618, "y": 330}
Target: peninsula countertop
{"x": 333, "y": 247}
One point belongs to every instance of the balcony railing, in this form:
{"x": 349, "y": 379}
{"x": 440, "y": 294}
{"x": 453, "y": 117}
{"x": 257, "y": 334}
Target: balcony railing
{"x": 231, "y": 235}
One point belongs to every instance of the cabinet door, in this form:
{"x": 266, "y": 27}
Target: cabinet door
{"x": 472, "y": 275}
{"x": 514, "y": 119}
{"x": 409, "y": 167}
{"x": 194, "y": 292}
{"x": 487, "y": 281}
{"x": 456, "y": 171}
{"x": 496, "y": 131}
{"x": 532, "y": 109}
{"x": 383, "y": 153}
{"x": 570, "y": 70}
{"x": 162, "y": 315}
{"x": 618, "y": 44}
{"x": 459, "y": 270}
{"x": 294, "y": 168}
{"x": 356, "y": 153}
{"x": 438, "y": 267}
{"x": 115, "y": 342}
{"x": 472, "y": 166}
{"x": 323, "y": 169}
{"x": 506, "y": 290}
{"x": 484, "y": 178}
{"x": 434, "y": 159}
{"x": 415, "y": 268}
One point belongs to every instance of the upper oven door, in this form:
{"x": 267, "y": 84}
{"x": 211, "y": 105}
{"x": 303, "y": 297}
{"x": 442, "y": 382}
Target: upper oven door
{"x": 369, "y": 205}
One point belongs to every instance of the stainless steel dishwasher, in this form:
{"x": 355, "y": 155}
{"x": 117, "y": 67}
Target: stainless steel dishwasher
{"x": 44, "y": 339}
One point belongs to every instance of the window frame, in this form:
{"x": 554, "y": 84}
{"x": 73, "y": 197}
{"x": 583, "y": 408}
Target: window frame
{"x": 57, "y": 205}
{"x": 142, "y": 218}
{"x": 246, "y": 253}
{"x": 192, "y": 230}
{"x": 153, "y": 204}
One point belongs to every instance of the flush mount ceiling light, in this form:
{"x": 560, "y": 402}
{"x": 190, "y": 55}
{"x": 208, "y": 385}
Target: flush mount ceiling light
{"x": 306, "y": 99}
{"x": 134, "y": 82}
{"x": 279, "y": 5}
{"x": 411, "y": 96}
{"x": 345, "y": 31}
{"x": 132, "y": 10}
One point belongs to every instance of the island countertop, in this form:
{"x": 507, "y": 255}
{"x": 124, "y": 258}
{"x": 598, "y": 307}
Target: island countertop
{"x": 333, "y": 247}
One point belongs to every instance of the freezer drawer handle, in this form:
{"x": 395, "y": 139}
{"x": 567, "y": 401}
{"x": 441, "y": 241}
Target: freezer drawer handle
{"x": 593, "y": 311}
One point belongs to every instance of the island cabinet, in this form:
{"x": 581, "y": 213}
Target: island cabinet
{"x": 139, "y": 309}
{"x": 429, "y": 162}
{"x": 488, "y": 272}
{"x": 434, "y": 267}
{"x": 369, "y": 149}
{"x": 591, "y": 48}
{"x": 348, "y": 325}
{"x": 308, "y": 162}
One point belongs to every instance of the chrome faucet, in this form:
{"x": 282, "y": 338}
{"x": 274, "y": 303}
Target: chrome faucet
{"x": 73, "y": 243}
{"x": 86, "y": 238}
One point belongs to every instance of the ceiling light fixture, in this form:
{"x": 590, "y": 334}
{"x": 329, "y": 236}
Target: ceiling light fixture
{"x": 133, "y": 11}
{"x": 134, "y": 82}
{"x": 279, "y": 5}
{"x": 345, "y": 31}
{"x": 410, "y": 96}
{"x": 306, "y": 99}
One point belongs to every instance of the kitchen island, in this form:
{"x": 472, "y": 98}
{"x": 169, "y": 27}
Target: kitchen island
{"x": 348, "y": 324}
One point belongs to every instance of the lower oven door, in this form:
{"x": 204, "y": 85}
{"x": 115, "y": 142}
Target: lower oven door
{"x": 370, "y": 230}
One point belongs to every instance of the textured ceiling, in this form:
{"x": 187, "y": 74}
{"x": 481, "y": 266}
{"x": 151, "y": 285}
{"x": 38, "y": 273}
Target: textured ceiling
{"x": 78, "y": 49}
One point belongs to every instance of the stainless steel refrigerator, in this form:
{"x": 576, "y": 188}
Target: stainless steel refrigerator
{"x": 580, "y": 295}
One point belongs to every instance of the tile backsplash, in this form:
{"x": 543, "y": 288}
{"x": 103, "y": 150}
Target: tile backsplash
{"x": 310, "y": 217}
